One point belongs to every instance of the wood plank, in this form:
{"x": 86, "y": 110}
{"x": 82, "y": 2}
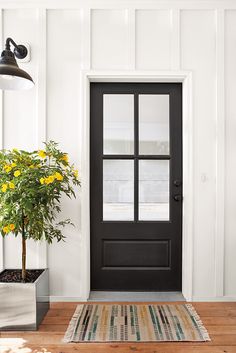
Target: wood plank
{"x": 61, "y": 305}
{"x": 61, "y": 320}
{"x": 141, "y": 348}
{"x": 48, "y": 337}
{"x": 56, "y": 328}
{"x": 219, "y": 319}
{"x": 61, "y": 312}
{"x": 226, "y": 330}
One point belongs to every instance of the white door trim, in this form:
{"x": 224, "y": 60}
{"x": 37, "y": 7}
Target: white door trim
{"x": 136, "y": 76}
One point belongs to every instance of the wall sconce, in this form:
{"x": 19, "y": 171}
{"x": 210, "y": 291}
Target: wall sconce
{"x": 11, "y": 76}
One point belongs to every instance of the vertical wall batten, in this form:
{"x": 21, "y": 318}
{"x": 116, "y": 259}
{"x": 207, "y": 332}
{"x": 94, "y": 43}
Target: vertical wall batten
{"x": 42, "y": 109}
{"x": 220, "y": 155}
{"x": 1, "y": 136}
{"x": 84, "y": 151}
{"x": 175, "y": 39}
{"x": 131, "y": 13}
{"x": 86, "y": 39}
{"x": 230, "y": 152}
{"x": 42, "y": 79}
{"x": 188, "y": 227}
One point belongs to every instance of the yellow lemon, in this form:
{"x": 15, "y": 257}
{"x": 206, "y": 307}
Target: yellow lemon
{"x": 6, "y": 229}
{"x": 12, "y": 226}
{"x": 11, "y": 185}
{"x": 42, "y": 180}
{"x": 17, "y": 173}
{"x": 58, "y": 176}
{"x": 42, "y": 154}
{"x": 4, "y": 187}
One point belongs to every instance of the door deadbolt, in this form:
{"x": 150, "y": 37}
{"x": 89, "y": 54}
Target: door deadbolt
{"x": 178, "y": 197}
{"x": 177, "y": 182}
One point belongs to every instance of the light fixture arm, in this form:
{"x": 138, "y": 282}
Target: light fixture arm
{"x": 20, "y": 50}
{"x": 12, "y": 77}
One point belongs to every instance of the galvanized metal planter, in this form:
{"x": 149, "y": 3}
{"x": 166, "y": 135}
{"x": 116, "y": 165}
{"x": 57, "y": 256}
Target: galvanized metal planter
{"x": 24, "y": 305}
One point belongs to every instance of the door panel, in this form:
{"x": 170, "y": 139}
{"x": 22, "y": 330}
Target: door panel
{"x": 136, "y": 204}
{"x": 136, "y": 254}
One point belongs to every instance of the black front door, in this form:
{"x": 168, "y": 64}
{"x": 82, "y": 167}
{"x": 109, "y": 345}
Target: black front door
{"x": 136, "y": 186}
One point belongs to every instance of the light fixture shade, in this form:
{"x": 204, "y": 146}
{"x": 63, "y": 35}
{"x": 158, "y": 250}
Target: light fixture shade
{"x": 11, "y": 76}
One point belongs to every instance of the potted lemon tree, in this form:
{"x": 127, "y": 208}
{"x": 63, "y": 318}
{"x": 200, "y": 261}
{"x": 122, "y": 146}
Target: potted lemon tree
{"x": 31, "y": 186}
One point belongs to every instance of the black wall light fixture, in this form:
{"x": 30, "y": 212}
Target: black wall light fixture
{"x": 11, "y": 76}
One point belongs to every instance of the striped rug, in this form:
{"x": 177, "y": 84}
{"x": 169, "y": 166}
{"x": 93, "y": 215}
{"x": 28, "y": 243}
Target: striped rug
{"x": 135, "y": 323}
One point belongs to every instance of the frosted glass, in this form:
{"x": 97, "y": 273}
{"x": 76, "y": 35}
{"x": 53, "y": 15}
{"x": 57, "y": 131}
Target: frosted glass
{"x": 154, "y": 124}
{"x": 118, "y": 124}
{"x": 153, "y": 190}
{"x": 118, "y": 190}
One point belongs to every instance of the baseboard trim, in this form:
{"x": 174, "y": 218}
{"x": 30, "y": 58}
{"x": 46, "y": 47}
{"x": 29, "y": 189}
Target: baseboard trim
{"x": 214, "y": 299}
{"x": 55, "y": 299}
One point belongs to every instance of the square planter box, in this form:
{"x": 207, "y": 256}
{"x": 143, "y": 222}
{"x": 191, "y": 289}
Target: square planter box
{"x": 24, "y": 305}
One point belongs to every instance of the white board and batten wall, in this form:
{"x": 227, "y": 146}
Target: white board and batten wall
{"x": 70, "y": 36}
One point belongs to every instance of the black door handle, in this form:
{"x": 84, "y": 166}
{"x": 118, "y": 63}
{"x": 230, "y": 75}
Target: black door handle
{"x": 178, "y": 197}
{"x": 177, "y": 182}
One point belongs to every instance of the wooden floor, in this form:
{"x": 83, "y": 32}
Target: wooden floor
{"x": 219, "y": 319}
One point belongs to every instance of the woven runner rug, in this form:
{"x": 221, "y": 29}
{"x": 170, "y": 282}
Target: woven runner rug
{"x": 135, "y": 323}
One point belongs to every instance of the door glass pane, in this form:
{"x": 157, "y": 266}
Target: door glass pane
{"x": 154, "y": 190}
{"x": 118, "y": 190}
{"x": 118, "y": 123}
{"x": 154, "y": 124}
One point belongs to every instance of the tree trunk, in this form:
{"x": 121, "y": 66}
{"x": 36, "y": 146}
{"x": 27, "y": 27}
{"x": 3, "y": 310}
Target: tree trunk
{"x": 23, "y": 270}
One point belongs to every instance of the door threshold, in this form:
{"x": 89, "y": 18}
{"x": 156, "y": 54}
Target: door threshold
{"x": 136, "y": 296}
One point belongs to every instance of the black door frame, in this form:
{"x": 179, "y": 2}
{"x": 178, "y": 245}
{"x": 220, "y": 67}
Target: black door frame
{"x": 187, "y": 235}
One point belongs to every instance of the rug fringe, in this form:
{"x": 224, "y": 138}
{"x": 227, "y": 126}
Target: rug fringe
{"x": 72, "y": 325}
{"x": 199, "y": 322}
